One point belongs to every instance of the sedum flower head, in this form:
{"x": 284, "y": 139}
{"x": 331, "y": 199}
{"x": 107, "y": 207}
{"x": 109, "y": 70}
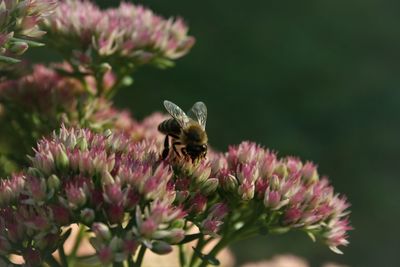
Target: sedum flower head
{"x": 116, "y": 188}
{"x": 46, "y": 99}
{"x": 128, "y": 33}
{"x": 19, "y": 20}
{"x": 287, "y": 193}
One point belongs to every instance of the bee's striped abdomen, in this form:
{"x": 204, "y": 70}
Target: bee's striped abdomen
{"x": 170, "y": 127}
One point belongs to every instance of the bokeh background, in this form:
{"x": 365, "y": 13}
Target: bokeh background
{"x": 315, "y": 79}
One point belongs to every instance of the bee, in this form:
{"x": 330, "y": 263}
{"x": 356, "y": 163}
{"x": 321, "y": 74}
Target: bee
{"x": 187, "y": 132}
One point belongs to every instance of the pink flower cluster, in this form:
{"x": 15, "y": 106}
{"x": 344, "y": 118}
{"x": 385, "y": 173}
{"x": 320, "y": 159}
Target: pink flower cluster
{"x": 19, "y": 19}
{"x": 43, "y": 91}
{"x": 130, "y": 32}
{"x": 99, "y": 180}
{"x": 290, "y": 193}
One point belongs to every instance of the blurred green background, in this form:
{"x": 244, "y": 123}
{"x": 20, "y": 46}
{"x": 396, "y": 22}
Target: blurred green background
{"x": 316, "y": 79}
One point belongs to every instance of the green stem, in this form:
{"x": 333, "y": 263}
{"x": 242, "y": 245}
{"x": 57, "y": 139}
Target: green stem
{"x": 182, "y": 257}
{"x": 199, "y": 247}
{"x": 63, "y": 258}
{"x": 53, "y": 262}
{"x": 213, "y": 253}
{"x": 130, "y": 262}
{"x": 79, "y": 237}
{"x": 140, "y": 256}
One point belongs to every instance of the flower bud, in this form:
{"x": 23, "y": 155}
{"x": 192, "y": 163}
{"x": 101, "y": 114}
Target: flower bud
{"x": 76, "y": 196}
{"x": 148, "y": 227}
{"x": 281, "y": 170}
{"x": 106, "y": 178}
{"x": 104, "y": 67}
{"x": 70, "y": 142}
{"x": 210, "y": 227}
{"x": 230, "y": 183}
{"x": 161, "y": 247}
{"x": 101, "y": 231}
{"x": 274, "y": 183}
{"x": 34, "y": 172}
{"x": 82, "y": 144}
{"x": 309, "y": 173}
{"x": 198, "y": 204}
{"x": 209, "y": 186}
{"x": 53, "y": 182}
{"x": 87, "y": 215}
{"x": 61, "y": 159}
{"x": 172, "y": 236}
{"x": 246, "y": 190}
{"x": 18, "y": 48}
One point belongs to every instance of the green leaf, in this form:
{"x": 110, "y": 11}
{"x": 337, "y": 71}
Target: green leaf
{"x": 9, "y": 60}
{"x": 29, "y": 42}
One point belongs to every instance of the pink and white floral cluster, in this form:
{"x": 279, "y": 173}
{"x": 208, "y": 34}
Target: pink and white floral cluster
{"x": 116, "y": 188}
{"x": 95, "y": 166}
{"x": 289, "y": 193}
{"x": 131, "y": 32}
{"x": 19, "y": 22}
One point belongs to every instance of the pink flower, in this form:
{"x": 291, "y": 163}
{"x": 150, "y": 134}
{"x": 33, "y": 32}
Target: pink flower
{"x": 127, "y": 32}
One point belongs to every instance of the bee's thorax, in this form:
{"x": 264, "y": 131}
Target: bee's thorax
{"x": 194, "y": 135}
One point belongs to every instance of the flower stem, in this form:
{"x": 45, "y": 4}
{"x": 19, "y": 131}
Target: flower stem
{"x": 79, "y": 237}
{"x": 220, "y": 245}
{"x": 140, "y": 256}
{"x": 182, "y": 257}
{"x": 63, "y": 258}
{"x": 199, "y": 247}
{"x": 53, "y": 262}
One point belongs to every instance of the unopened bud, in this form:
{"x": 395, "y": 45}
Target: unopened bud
{"x": 106, "y": 178}
{"x": 104, "y": 67}
{"x": 87, "y": 215}
{"x": 34, "y": 172}
{"x": 161, "y": 247}
{"x": 230, "y": 183}
{"x": 101, "y": 231}
{"x": 53, "y": 182}
{"x": 281, "y": 170}
{"x": 246, "y": 191}
{"x": 61, "y": 159}
{"x": 18, "y": 48}
{"x": 82, "y": 144}
{"x": 209, "y": 186}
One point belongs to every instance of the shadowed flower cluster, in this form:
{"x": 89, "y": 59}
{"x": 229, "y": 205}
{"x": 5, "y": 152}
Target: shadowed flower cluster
{"x": 117, "y": 189}
{"x": 281, "y": 194}
{"x": 132, "y": 33}
{"x": 19, "y": 20}
{"x": 36, "y": 104}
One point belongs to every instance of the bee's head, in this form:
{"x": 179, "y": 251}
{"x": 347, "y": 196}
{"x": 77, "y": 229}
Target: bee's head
{"x": 196, "y": 151}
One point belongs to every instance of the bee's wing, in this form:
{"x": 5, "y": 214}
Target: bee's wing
{"x": 199, "y": 113}
{"x": 177, "y": 113}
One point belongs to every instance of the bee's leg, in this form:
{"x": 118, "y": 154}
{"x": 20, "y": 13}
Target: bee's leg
{"x": 174, "y": 147}
{"x": 166, "y": 148}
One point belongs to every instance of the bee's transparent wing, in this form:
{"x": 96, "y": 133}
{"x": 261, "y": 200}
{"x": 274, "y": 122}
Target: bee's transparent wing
{"x": 199, "y": 113}
{"x": 177, "y": 113}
